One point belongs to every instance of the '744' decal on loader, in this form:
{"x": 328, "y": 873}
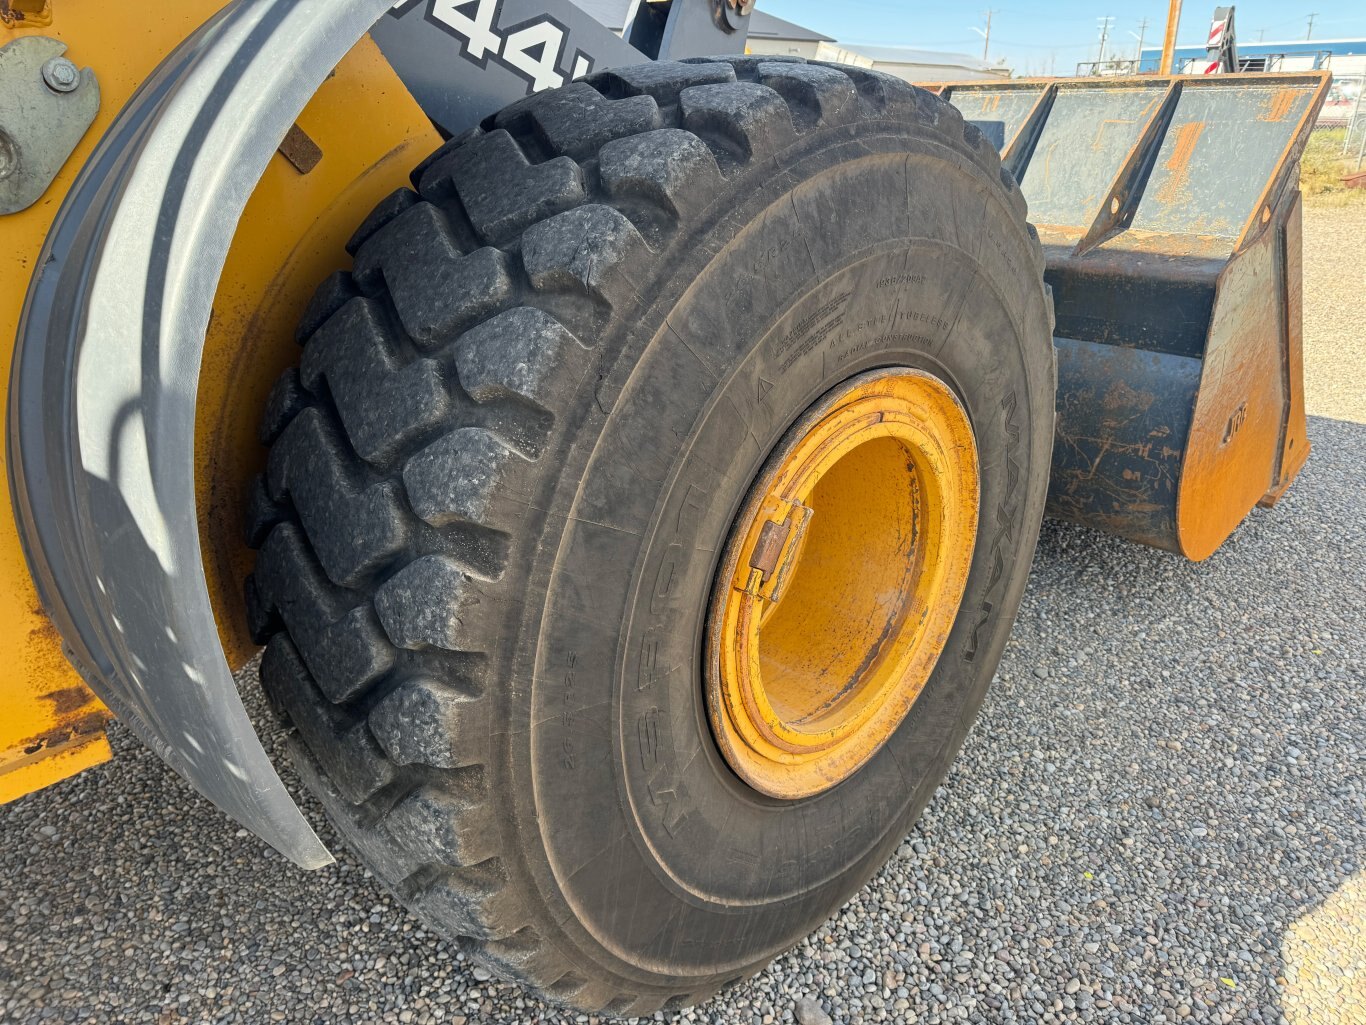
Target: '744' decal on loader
{"x": 533, "y": 50}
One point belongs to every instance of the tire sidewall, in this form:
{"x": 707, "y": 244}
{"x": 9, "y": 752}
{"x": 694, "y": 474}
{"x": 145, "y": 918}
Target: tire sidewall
{"x": 878, "y": 248}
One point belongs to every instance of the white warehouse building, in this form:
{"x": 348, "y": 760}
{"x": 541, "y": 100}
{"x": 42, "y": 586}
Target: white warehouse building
{"x": 770, "y": 35}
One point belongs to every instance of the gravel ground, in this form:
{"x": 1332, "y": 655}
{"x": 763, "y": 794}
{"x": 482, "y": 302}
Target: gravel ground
{"x": 1335, "y": 311}
{"x": 1159, "y": 817}
{"x": 1164, "y": 791}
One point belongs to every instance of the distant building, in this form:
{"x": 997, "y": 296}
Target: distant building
{"x": 929, "y": 65}
{"x": 770, "y": 35}
{"x": 612, "y": 13}
{"x": 1344, "y": 57}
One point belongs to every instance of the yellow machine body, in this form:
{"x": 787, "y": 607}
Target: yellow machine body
{"x": 291, "y": 236}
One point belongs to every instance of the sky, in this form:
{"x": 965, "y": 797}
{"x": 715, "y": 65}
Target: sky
{"x": 1032, "y": 35}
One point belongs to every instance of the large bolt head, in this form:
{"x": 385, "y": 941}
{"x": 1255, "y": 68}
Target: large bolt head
{"x": 61, "y": 75}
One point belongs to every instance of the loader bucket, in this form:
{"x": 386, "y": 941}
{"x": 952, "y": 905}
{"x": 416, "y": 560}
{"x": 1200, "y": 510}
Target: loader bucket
{"x": 1169, "y": 213}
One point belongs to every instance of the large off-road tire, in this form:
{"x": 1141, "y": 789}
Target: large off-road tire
{"x": 502, "y": 479}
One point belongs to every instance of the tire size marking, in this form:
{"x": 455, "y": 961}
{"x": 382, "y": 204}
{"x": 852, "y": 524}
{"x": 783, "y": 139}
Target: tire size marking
{"x": 1005, "y": 527}
{"x": 533, "y": 50}
{"x": 1003, "y": 251}
{"x": 901, "y": 281}
{"x": 811, "y": 332}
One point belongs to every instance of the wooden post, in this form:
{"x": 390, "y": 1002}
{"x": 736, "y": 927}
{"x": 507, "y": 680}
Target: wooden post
{"x": 1169, "y": 44}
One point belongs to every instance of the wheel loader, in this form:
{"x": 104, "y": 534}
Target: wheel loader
{"x": 624, "y": 453}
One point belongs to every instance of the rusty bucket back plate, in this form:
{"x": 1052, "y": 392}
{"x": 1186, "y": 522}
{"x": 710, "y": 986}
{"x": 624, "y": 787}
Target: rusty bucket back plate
{"x": 1168, "y": 208}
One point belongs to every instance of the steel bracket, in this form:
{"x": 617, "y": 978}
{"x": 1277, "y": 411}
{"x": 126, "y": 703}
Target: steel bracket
{"x": 46, "y": 107}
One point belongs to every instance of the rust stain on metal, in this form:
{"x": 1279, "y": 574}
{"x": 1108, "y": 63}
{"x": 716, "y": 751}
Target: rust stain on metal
{"x": 300, "y": 150}
{"x": 1151, "y": 109}
{"x": 1278, "y": 106}
{"x": 1122, "y": 396}
{"x": 1187, "y": 136}
{"x": 769, "y": 546}
{"x": 69, "y": 700}
{"x": 76, "y": 728}
{"x": 1099, "y": 137}
{"x": 29, "y": 13}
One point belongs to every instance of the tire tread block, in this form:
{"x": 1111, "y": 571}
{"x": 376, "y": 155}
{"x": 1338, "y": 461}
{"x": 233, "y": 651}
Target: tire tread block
{"x": 383, "y": 402}
{"x": 662, "y": 81}
{"x": 355, "y": 526}
{"x": 457, "y": 478}
{"x": 671, "y": 168}
{"x": 751, "y": 119}
{"x": 502, "y": 192}
{"x": 433, "y": 602}
{"x": 437, "y": 289}
{"x": 523, "y": 353}
{"x": 422, "y": 722}
{"x": 334, "y": 293}
{"x": 588, "y": 250}
{"x": 577, "y": 121}
{"x": 342, "y": 743}
{"x": 389, "y": 207}
{"x": 827, "y": 96}
{"x": 344, "y": 648}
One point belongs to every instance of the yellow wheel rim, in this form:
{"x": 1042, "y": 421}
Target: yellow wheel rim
{"x": 841, "y": 580}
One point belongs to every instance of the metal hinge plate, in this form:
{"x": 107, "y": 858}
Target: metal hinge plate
{"x": 46, "y": 106}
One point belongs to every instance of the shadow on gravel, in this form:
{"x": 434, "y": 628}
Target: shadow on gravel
{"x": 1165, "y": 786}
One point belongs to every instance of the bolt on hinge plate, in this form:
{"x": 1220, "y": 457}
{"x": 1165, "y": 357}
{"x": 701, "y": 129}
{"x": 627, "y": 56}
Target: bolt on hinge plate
{"x": 47, "y": 104}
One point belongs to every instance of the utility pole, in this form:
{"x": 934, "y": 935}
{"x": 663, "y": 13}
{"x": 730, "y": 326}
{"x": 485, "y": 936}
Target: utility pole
{"x": 1138, "y": 56}
{"x": 1105, "y": 24}
{"x": 1310, "y": 34}
{"x": 986, "y": 36}
{"x": 1261, "y": 35}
